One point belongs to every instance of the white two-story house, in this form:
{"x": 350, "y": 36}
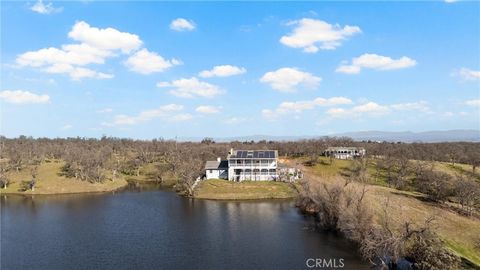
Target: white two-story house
{"x": 345, "y": 152}
{"x": 253, "y": 165}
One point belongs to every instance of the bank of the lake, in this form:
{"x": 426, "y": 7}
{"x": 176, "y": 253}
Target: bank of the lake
{"x": 157, "y": 229}
{"x": 216, "y": 189}
{"x": 51, "y": 181}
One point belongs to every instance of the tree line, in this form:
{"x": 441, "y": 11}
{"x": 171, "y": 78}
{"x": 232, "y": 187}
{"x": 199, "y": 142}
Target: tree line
{"x": 95, "y": 160}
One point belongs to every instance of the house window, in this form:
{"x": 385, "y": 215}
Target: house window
{"x": 210, "y": 171}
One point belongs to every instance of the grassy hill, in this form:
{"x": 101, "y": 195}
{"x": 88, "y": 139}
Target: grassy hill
{"x": 460, "y": 233}
{"x": 50, "y": 181}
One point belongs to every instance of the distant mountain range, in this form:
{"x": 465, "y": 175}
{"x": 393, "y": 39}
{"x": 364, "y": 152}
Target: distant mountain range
{"x": 467, "y": 135}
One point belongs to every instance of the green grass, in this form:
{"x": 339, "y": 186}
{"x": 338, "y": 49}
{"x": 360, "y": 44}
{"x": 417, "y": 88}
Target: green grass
{"x": 49, "y": 181}
{"x": 466, "y": 251}
{"x": 462, "y": 169}
{"x": 246, "y": 190}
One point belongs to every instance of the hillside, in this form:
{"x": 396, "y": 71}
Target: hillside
{"x": 51, "y": 181}
{"x": 459, "y": 233}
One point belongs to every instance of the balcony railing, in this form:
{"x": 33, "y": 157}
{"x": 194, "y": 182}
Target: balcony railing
{"x": 262, "y": 164}
{"x": 258, "y": 173}
{"x": 256, "y": 176}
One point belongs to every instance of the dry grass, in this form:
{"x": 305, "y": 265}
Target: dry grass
{"x": 147, "y": 172}
{"x": 458, "y": 232}
{"x": 246, "y": 190}
{"x": 458, "y": 169}
{"x": 49, "y": 181}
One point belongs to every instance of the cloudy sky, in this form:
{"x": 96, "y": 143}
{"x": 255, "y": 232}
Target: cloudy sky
{"x": 153, "y": 69}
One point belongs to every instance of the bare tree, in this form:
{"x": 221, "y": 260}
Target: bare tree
{"x": 358, "y": 170}
{"x": 437, "y": 185}
{"x": 34, "y": 172}
{"x": 467, "y": 191}
{"x": 4, "y": 182}
{"x": 342, "y": 208}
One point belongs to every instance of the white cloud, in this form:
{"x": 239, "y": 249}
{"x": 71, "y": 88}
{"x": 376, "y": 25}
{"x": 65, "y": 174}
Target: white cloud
{"x": 269, "y": 114}
{"x": 299, "y": 106}
{"x": 235, "y": 120}
{"x": 72, "y": 54}
{"x": 312, "y": 35}
{"x": 181, "y": 24}
{"x": 450, "y": 1}
{"x": 163, "y": 112}
{"x": 77, "y": 73}
{"x": 289, "y": 79}
{"x": 369, "y": 109}
{"x": 188, "y": 88}
{"x": 23, "y": 97}
{"x": 348, "y": 69}
{"x": 222, "y": 71}
{"x": 66, "y": 127}
{"x": 96, "y": 45}
{"x": 377, "y": 62}
{"x": 421, "y": 106}
{"x": 146, "y": 62}
{"x": 105, "y": 110}
{"x": 180, "y": 117}
{"x": 473, "y": 102}
{"x": 467, "y": 74}
{"x": 207, "y": 109}
{"x": 105, "y": 39}
{"x": 42, "y": 8}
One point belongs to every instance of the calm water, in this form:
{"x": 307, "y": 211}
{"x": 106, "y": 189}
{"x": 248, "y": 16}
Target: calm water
{"x": 156, "y": 229}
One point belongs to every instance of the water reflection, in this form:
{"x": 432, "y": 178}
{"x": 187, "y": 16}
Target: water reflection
{"x": 155, "y": 229}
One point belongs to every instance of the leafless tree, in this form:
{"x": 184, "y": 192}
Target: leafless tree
{"x": 4, "y": 181}
{"x": 358, "y": 170}
{"x": 467, "y": 191}
{"x": 437, "y": 185}
{"x": 343, "y": 209}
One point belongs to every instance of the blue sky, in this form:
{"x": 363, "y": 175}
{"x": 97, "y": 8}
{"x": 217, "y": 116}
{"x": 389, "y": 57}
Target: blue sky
{"x": 219, "y": 69}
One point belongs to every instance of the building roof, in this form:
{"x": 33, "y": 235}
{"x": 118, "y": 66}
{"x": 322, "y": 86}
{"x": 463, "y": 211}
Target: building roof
{"x": 344, "y": 148}
{"x": 251, "y": 154}
{"x": 216, "y": 165}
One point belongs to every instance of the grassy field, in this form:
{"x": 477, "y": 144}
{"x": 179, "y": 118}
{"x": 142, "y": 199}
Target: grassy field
{"x": 458, "y": 232}
{"x": 246, "y": 190}
{"x": 146, "y": 175}
{"x": 49, "y": 181}
{"x": 326, "y": 169}
{"x": 457, "y": 168}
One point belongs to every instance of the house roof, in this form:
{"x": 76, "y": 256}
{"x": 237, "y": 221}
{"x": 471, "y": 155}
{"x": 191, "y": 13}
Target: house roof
{"x": 216, "y": 165}
{"x": 251, "y": 154}
{"x": 343, "y": 148}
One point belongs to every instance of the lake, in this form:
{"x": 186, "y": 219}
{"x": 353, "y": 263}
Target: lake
{"x": 156, "y": 229}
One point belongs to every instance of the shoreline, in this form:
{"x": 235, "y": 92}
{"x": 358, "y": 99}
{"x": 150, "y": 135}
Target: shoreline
{"x": 245, "y": 200}
{"x": 218, "y": 190}
{"x": 29, "y": 193}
